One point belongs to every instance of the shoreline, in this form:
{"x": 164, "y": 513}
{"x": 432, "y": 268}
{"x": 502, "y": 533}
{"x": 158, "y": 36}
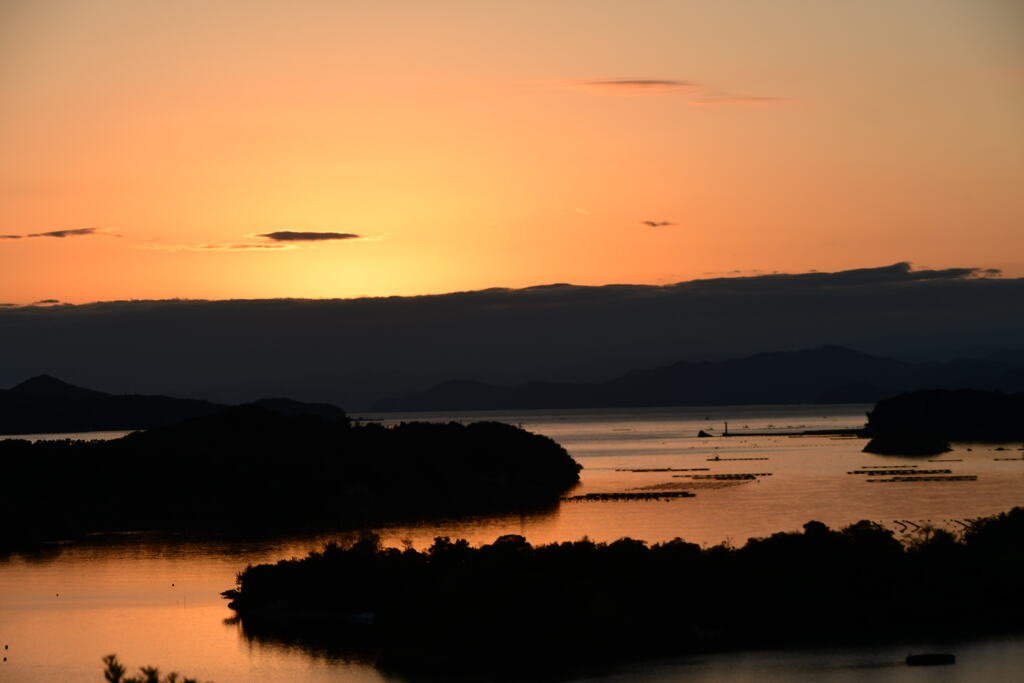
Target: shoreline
{"x": 560, "y": 604}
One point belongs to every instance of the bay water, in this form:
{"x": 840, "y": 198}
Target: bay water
{"x": 154, "y": 598}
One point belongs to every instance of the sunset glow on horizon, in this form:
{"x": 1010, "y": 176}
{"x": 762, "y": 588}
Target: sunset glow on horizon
{"x": 319, "y": 149}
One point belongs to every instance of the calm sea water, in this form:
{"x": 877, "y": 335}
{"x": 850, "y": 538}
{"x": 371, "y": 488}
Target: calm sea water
{"x": 155, "y": 599}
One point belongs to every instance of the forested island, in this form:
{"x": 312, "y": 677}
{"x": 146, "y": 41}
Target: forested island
{"x": 925, "y": 422}
{"x": 251, "y": 468}
{"x": 512, "y": 607}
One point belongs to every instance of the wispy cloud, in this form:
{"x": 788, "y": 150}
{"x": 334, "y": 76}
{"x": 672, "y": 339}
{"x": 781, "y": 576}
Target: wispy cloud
{"x": 626, "y": 86}
{"x": 294, "y": 236}
{"x": 244, "y": 246}
{"x": 277, "y": 241}
{"x": 698, "y": 94}
{"x": 657, "y": 224}
{"x": 46, "y": 302}
{"x": 716, "y": 99}
{"x": 73, "y": 232}
{"x": 61, "y": 234}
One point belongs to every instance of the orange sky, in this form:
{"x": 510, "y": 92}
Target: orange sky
{"x": 476, "y": 144}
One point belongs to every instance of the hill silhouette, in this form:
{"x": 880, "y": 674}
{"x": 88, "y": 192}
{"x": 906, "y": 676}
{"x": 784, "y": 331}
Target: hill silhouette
{"x": 45, "y": 404}
{"x": 829, "y": 374}
{"x": 249, "y": 468}
{"x": 923, "y": 422}
{"x": 352, "y": 352}
{"x": 46, "y": 386}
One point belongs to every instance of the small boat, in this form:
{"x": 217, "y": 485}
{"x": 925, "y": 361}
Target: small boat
{"x": 931, "y": 659}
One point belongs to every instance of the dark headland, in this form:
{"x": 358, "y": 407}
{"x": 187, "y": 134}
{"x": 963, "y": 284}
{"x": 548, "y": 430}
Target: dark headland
{"x": 925, "y": 422}
{"x": 250, "y": 468}
{"x": 510, "y": 607}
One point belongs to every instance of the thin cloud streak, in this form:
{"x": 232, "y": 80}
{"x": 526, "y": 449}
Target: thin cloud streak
{"x": 641, "y": 83}
{"x": 73, "y": 232}
{"x": 215, "y": 247}
{"x": 630, "y": 86}
{"x": 657, "y": 224}
{"x": 739, "y": 100}
{"x": 699, "y": 94}
{"x": 278, "y": 241}
{"x": 61, "y": 234}
{"x": 294, "y": 236}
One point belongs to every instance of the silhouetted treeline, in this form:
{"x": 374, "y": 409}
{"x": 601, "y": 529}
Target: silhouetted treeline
{"x": 45, "y": 404}
{"x": 511, "y": 605}
{"x": 924, "y": 421}
{"x": 249, "y": 467}
{"x": 114, "y": 672}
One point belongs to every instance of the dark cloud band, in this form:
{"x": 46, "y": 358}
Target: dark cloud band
{"x": 75, "y": 232}
{"x": 292, "y": 236}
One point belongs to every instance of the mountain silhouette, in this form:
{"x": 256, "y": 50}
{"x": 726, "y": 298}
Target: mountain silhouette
{"x": 353, "y": 352}
{"x": 46, "y": 404}
{"x": 47, "y": 386}
{"x": 829, "y": 374}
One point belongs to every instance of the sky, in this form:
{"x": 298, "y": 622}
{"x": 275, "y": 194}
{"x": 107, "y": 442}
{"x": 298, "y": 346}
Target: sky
{"x": 195, "y": 149}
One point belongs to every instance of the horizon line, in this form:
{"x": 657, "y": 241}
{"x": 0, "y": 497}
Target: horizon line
{"x": 905, "y": 267}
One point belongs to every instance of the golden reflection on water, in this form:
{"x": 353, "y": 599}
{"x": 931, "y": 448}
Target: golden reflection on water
{"x": 808, "y": 479}
{"x": 155, "y": 600}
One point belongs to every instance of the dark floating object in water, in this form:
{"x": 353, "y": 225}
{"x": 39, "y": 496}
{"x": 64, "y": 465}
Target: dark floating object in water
{"x": 717, "y": 459}
{"x": 931, "y": 659}
{"x": 702, "y": 434}
{"x": 900, "y": 471}
{"x": 653, "y": 495}
{"x": 955, "y": 477}
{"x": 662, "y": 469}
{"x": 725, "y": 477}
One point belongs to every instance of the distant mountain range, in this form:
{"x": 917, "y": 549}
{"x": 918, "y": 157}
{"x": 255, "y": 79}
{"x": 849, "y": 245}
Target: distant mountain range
{"x": 354, "y": 352}
{"x": 830, "y": 374}
{"x": 45, "y": 404}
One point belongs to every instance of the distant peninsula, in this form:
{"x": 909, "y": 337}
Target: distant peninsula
{"x": 829, "y": 374}
{"x": 250, "y": 468}
{"x": 45, "y": 404}
{"x": 925, "y": 422}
